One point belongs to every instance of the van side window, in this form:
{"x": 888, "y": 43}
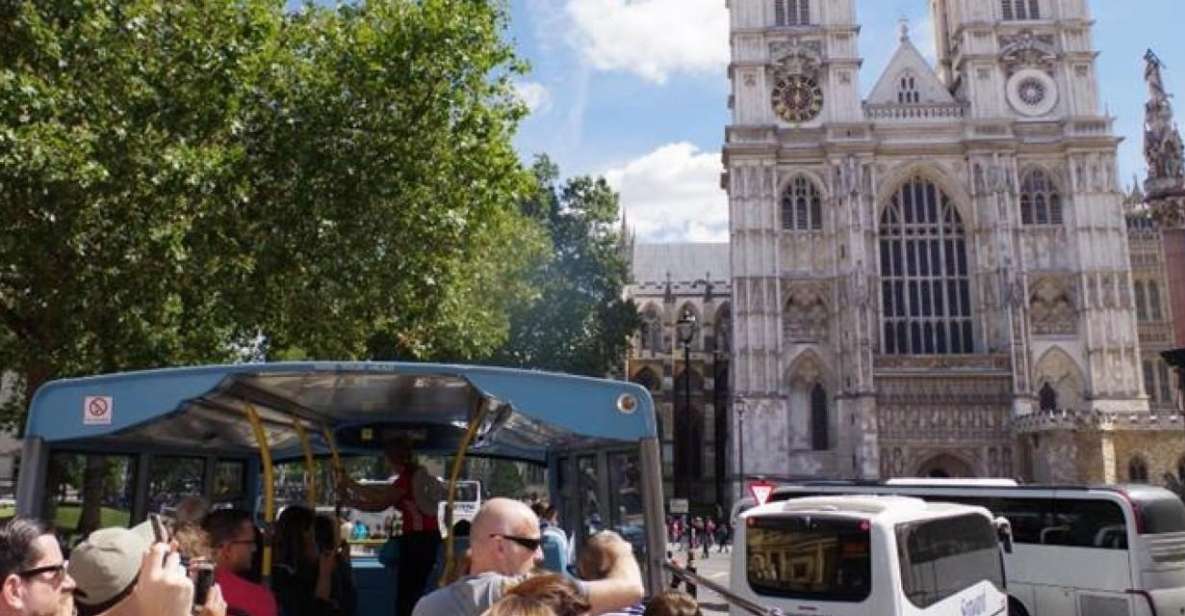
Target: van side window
{"x": 940, "y": 558}
{"x": 1089, "y": 524}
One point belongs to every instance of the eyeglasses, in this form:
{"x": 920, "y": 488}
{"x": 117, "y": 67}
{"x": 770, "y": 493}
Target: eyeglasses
{"x": 529, "y": 543}
{"x": 58, "y": 571}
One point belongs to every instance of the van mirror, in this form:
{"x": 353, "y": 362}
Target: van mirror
{"x": 1004, "y": 533}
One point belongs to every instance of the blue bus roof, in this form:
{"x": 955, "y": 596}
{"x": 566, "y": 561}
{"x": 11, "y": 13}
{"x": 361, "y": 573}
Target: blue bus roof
{"x": 362, "y": 403}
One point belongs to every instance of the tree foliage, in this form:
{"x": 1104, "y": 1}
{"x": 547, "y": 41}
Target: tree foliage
{"x": 580, "y": 321}
{"x": 181, "y": 180}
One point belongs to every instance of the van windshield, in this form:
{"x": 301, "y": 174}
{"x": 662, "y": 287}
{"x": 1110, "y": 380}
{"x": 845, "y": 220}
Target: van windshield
{"x": 809, "y": 557}
{"x": 942, "y": 557}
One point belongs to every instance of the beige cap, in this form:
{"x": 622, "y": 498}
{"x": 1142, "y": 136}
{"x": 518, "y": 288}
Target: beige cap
{"x": 107, "y": 562}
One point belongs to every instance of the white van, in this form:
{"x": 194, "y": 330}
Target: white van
{"x": 857, "y": 555}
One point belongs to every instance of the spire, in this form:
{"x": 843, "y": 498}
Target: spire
{"x": 1163, "y": 149}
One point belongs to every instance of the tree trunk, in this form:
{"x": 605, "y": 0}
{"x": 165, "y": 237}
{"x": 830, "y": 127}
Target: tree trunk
{"x": 91, "y": 517}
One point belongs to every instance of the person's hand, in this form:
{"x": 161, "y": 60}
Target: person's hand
{"x": 164, "y": 587}
{"x": 215, "y": 604}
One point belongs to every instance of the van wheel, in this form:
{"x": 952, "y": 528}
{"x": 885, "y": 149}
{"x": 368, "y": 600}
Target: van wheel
{"x": 1016, "y": 608}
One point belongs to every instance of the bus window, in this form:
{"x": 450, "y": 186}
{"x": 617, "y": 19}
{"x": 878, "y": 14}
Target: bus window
{"x": 230, "y": 483}
{"x": 108, "y": 501}
{"x": 627, "y": 514}
{"x": 940, "y": 558}
{"x": 809, "y": 557}
{"x": 1162, "y": 512}
{"x": 171, "y": 479}
{"x": 1028, "y": 517}
{"x": 1088, "y": 523}
{"x": 589, "y": 486}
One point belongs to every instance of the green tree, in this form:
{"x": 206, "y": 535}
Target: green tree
{"x": 579, "y": 321}
{"x": 180, "y": 180}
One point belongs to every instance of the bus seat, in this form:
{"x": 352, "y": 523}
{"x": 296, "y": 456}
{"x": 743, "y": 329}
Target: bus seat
{"x": 1055, "y": 535}
{"x": 375, "y": 586}
{"x": 1113, "y": 536}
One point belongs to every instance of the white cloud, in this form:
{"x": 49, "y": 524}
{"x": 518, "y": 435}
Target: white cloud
{"x": 673, "y": 194}
{"x": 535, "y": 96}
{"x": 652, "y": 38}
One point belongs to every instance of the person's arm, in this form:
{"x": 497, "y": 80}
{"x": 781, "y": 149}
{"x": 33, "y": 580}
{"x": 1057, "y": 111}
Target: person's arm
{"x": 622, "y": 585}
{"x": 368, "y": 498}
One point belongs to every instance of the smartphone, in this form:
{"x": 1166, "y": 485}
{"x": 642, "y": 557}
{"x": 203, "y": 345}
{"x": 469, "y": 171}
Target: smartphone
{"x": 158, "y": 528}
{"x": 202, "y": 573}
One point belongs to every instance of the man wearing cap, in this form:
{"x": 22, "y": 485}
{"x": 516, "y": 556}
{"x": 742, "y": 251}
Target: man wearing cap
{"x": 121, "y": 572}
{"x": 33, "y": 577}
{"x": 415, "y": 493}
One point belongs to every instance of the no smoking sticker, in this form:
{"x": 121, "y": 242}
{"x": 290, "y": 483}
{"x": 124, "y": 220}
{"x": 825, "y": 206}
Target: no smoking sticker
{"x": 97, "y": 410}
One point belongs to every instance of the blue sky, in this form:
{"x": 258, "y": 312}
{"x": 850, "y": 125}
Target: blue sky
{"x": 636, "y": 90}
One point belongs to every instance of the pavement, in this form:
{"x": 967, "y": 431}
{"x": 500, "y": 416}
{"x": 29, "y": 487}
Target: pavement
{"x": 715, "y": 568}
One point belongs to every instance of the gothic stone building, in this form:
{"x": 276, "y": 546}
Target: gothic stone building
{"x": 941, "y": 279}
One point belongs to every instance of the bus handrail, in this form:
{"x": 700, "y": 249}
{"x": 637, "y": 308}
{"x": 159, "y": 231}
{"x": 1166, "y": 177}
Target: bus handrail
{"x": 745, "y": 604}
{"x": 454, "y": 474}
{"x": 310, "y": 470}
{"x": 269, "y": 496}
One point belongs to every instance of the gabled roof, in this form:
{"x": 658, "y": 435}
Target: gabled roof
{"x": 908, "y": 59}
{"x": 685, "y": 262}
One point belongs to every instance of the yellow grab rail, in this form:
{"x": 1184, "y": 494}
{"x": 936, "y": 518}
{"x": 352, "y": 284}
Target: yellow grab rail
{"x": 269, "y": 496}
{"x": 310, "y": 471}
{"x": 454, "y": 474}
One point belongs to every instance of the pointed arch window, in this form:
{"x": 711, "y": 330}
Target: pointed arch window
{"x": 651, "y": 333}
{"x": 792, "y": 12}
{"x": 1166, "y": 382}
{"x": 1020, "y": 10}
{"x": 1048, "y": 396}
{"x": 820, "y": 438}
{"x": 724, "y": 330}
{"x": 1154, "y": 311}
{"x": 907, "y": 90}
{"x": 1137, "y": 470}
{"x": 802, "y": 206}
{"x": 1040, "y": 203}
{"x": 1141, "y": 301}
{"x": 925, "y": 284}
{"x": 1149, "y": 378}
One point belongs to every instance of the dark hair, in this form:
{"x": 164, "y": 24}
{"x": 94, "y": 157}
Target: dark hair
{"x": 325, "y": 531}
{"x": 672, "y": 603}
{"x": 555, "y": 591}
{"x": 223, "y": 525}
{"x": 550, "y": 512}
{"x": 17, "y": 552}
{"x": 294, "y": 527}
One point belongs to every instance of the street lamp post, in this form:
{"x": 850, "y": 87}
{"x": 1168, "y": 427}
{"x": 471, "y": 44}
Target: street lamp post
{"x": 740, "y": 407}
{"x": 685, "y": 327}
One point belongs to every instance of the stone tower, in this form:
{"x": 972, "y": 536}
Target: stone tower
{"x": 915, "y": 273}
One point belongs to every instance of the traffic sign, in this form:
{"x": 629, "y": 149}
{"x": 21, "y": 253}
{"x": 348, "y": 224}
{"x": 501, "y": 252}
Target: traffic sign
{"x": 761, "y": 491}
{"x": 679, "y": 505}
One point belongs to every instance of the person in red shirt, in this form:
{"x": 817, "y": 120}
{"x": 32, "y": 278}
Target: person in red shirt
{"x": 415, "y": 494}
{"x": 232, "y": 536}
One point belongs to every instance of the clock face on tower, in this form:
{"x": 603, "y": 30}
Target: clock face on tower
{"x": 797, "y": 98}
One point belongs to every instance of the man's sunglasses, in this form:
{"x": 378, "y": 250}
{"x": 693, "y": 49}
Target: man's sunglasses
{"x": 58, "y": 571}
{"x": 529, "y": 543}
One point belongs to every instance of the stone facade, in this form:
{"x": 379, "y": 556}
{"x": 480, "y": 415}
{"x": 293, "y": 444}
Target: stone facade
{"x": 941, "y": 279}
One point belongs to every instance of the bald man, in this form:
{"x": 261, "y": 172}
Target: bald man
{"x": 505, "y": 545}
